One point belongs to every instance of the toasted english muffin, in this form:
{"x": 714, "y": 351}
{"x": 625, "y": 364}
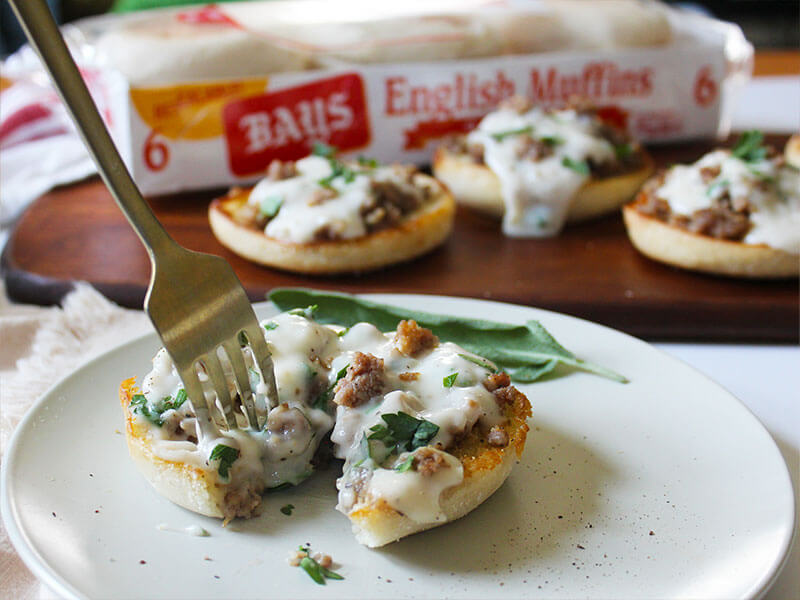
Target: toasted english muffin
{"x": 428, "y": 430}
{"x": 192, "y": 488}
{"x": 681, "y": 248}
{"x": 394, "y": 214}
{"x": 792, "y": 151}
{"x": 540, "y": 168}
{"x": 733, "y": 213}
{"x": 475, "y": 186}
{"x": 485, "y": 467}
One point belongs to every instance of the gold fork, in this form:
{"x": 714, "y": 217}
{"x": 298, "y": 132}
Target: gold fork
{"x": 194, "y": 300}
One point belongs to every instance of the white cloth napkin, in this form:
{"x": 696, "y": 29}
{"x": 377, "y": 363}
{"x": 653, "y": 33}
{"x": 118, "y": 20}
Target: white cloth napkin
{"x": 39, "y": 346}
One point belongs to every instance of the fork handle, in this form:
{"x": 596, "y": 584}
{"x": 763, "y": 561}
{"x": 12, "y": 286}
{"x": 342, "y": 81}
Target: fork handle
{"x": 45, "y": 37}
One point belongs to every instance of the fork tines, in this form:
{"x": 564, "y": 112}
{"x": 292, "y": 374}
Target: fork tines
{"x": 218, "y": 364}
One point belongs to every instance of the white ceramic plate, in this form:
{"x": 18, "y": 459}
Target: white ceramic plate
{"x": 666, "y": 487}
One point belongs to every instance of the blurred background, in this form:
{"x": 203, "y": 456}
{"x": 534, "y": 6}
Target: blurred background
{"x": 771, "y": 24}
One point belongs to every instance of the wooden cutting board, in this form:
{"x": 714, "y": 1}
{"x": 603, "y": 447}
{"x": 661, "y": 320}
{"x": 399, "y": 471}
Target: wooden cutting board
{"x": 590, "y": 271}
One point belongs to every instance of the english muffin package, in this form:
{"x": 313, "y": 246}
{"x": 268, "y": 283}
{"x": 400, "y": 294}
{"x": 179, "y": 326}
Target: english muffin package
{"x": 212, "y": 94}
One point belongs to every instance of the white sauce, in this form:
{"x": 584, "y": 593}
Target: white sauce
{"x": 277, "y": 454}
{"x": 306, "y": 355}
{"x": 538, "y": 194}
{"x": 455, "y": 410}
{"x": 774, "y": 203}
{"x": 414, "y": 494}
{"x": 192, "y": 530}
{"x": 301, "y": 215}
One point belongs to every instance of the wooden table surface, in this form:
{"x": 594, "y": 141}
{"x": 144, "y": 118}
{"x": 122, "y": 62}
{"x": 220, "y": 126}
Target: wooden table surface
{"x": 591, "y": 270}
{"x": 776, "y": 62}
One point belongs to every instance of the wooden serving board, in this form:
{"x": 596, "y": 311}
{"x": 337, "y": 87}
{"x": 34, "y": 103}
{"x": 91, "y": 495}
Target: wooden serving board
{"x": 590, "y": 271}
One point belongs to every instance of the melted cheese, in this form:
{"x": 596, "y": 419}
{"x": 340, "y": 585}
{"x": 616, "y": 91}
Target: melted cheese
{"x": 772, "y": 191}
{"x": 538, "y": 194}
{"x": 307, "y": 356}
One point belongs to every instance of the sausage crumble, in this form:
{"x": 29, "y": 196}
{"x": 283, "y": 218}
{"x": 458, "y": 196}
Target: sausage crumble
{"x": 411, "y": 339}
{"x": 428, "y": 461}
{"x": 365, "y": 378}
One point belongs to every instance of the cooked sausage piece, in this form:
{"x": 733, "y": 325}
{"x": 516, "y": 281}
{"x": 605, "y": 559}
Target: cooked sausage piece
{"x": 507, "y": 396}
{"x": 497, "y": 437}
{"x": 428, "y": 461}
{"x": 411, "y": 339}
{"x": 278, "y": 170}
{"x": 389, "y": 201}
{"x": 496, "y": 381}
{"x": 365, "y": 378}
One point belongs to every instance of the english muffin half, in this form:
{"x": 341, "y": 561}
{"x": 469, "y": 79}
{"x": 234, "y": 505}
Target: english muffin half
{"x": 538, "y": 169}
{"x": 734, "y": 212}
{"x": 324, "y": 216}
{"x": 428, "y": 431}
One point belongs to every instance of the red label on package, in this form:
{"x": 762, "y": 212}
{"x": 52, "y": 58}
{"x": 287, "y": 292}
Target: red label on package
{"x": 426, "y": 131}
{"x": 284, "y": 124}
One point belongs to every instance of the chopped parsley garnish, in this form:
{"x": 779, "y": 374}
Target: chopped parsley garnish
{"x": 287, "y": 509}
{"x": 450, "y": 380}
{"x": 749, "y": 146}
{"x": 552, "y": 140}
{"x": 154, "y": 413}
{"x": 623, "y": 151}
{"x": 407, "y": 464}
{"x": 579, "y": 166}
{"x": 343, "y": 332}
{"x": 270, "y": 206}
{"x": 226, "y": 456}
{"x": 403, "y": 432}
{"x": 315, "y": 570}
{"x": 139, "y": 404}
{"x": 761, "y": 176}
{"x": 307, "y": 312}
{"x": 716, "y": 186}
{"x": 481, "y": 362}
{"x": 338, "y": 169}
{"x": 322, "y": 400}
{"x": 180, "y": 398}
{"x": 501, "y": 135}
{"x": 341, "y": 373}
{"x": 270, "y": 325}
{"x": 324, "y": 150}
{"x": 370, "y": 163}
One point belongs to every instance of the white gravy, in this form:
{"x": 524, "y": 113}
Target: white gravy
{"x": 306, "y": 355}
{"x": 538, "y": 194}
{"x": 772, "y": 191}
